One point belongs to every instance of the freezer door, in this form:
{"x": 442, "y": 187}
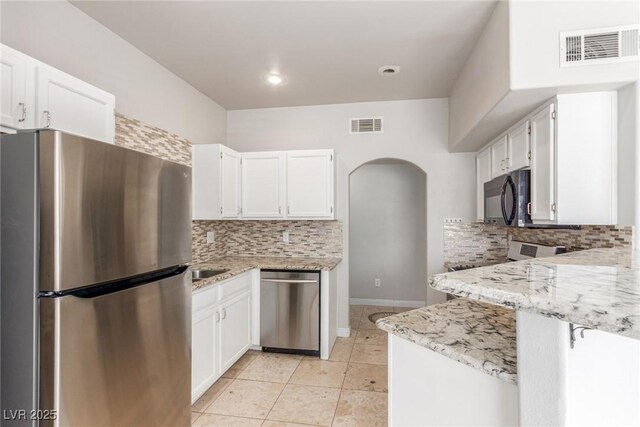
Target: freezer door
{"x": 119, "y": 359}
{"x": 290, "y": 311}
{"x": 108, "y": 212}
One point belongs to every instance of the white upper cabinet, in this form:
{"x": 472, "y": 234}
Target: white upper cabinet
{"x": 310, "y": 184}
{"x": 35, "y": 95}
{"x": 483, "y": 174}
{"x": 15, "y": 111}
{"x": 263, "y": 184}
{"x": 518, "y": 147}
{"x": 66, "y": 103}
{"x": 543, "y": 205}
{"x": 570, "y": 145}
{"x": 215, "y": 182}
{"x": 499, "y": 156}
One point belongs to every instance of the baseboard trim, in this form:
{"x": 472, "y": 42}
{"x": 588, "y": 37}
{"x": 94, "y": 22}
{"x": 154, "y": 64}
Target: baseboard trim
{"x": 344, "y": 332}
{"x": 386, "y": 302}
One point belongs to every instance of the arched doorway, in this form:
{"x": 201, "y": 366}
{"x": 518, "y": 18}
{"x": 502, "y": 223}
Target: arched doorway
{"x": 387, "y": 236}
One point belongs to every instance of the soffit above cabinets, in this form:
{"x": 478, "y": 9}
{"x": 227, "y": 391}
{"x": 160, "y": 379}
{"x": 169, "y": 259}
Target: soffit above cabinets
{"x": 329, "y": 52}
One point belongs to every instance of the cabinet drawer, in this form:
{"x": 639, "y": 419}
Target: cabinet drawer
{"x": 204, "y": 298}
{"x": 237, "y": 284}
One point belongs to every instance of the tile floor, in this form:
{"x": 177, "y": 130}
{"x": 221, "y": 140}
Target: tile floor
{"x": 273, "y": 390}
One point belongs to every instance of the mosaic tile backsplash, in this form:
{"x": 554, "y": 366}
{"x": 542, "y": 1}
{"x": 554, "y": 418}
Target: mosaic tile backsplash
{"x": 318, "y": 239}
{"x": 134, "y": 134}
{"x": 485, "y": 244}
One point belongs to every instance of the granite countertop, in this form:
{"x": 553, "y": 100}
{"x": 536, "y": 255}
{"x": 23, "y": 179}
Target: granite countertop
{"x": 239, "y": 264}
{"x": 477, "y": 334}
{"x": 598, "y": 288}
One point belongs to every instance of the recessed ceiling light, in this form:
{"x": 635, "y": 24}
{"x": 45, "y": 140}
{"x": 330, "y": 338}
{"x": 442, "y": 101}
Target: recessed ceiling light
{"x": 275, "y": 79}
{"x": 388, "y": 70}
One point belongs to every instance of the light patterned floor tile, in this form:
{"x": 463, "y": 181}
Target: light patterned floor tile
{"x": 361, "y": 409}
{"x": 319, "y": 373}
{"x": 212, "y": 394}
{"x": 240, "y": 365}
{"x": 368, "y": 353}
{"x": 341, "y": 350}
{"x": 357, "y": 309}
{"x": 251, "y": 399}
{"x": 305, "y": 404}
{"x": 215, "y": 420}
{"x": 366, "y": 377}
{"x": 194, "y": 416}
{"x": 371, "y": 336}
{"x": 270, "y": 368}
{"x": 269, "y": 423}
{"x": 402, "y": 309}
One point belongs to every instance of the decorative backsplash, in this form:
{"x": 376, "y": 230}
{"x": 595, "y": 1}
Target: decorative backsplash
{"x": 134, "y": 134}
{"x": 320, "y": 239}
{"x": 484, "y": 244}
{"x": 474, "y": 244}
{"x": 588, "y": 237}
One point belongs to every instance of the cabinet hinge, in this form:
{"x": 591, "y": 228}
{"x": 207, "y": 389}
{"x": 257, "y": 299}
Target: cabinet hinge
{"x": 529, "y": 130}
{"x": 220, "y": 210}
{"x": 529, "y": 154}
{"x": 220, "y": 155}
{"x": 553, "y": 115}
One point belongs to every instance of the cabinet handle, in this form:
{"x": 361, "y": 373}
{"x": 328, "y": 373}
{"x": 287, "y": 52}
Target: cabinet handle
{"x": 48, "y": 114}
{"x": 224, "y": 313}
{"x": 24, "y": 112}
{"x": 288, "y": 210}
{"x": 507, "y": 163}
{"x": 529, "y": 208}
{"x": 502, "y": 164}
{"x": 217, "y": 317}
{"x": 279, "y": 210}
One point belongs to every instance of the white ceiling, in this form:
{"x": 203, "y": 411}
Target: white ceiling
{"x": 329, "y": 51}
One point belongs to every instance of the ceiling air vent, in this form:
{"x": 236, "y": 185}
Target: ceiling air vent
{"x": 366, "y": 125}
{"x": 605, "y": 45}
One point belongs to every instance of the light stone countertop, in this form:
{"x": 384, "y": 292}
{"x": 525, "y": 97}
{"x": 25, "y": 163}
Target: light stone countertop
{"x": 476, "y": 334}
{"x": 239, "y": 264}
{"x": 598, "y": 288}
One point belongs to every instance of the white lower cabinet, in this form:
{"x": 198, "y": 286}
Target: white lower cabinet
{"x": 221, "y": 330}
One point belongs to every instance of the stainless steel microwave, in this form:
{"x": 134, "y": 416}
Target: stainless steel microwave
{"x": 507, "y": 199}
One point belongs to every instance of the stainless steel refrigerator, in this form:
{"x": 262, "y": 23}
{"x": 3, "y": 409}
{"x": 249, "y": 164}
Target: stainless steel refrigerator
{"x": 95, "y": 297}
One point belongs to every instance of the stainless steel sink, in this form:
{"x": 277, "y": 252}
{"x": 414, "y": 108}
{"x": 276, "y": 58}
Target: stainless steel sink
{"x": 205, "y": 274}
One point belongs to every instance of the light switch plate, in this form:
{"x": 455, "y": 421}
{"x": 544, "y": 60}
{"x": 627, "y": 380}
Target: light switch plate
{"x": 211, "y": 236}
{"x": 285, "y": 236}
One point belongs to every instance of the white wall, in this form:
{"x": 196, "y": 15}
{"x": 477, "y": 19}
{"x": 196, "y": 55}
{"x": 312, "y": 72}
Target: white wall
{"x": 387, "y": 238}
{"x": 627, "y": 120}
{"x": 484, "y": 79}
{"x": 59, "y": 34}
{"x": 535, "y": 49}
{"x": 415, "y": 131}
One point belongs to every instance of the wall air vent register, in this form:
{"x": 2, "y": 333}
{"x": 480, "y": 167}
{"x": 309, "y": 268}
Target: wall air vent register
{"x": 601, "y": 46}
{"x": 366, "y": 125}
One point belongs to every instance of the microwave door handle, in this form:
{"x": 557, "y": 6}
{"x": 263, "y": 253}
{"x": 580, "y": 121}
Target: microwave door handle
{"x": 503, "y": 197}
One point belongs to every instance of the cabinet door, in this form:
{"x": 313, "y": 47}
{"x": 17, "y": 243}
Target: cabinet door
{"x": 13, "y": 78}
{"x": 518, "y": 146}
{"x": 229, "y": 183}
{"x": 499, "y": 154}
{"x": 483, "y": 174}
{"x": 310, "y": 184}
{"x": 263, "y": 185}
{"x": 235, "y": 329}
{"x": 543, "y": 166}
{"x": 204, "y": 350}
{"x": 66, "y": 103}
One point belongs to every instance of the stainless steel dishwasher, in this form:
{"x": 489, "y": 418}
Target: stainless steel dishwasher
{"x": 290, "y": 311}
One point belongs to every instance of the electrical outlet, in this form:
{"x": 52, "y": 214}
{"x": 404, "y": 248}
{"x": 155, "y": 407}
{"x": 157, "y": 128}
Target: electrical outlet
{"x": 453, "y": 220}
{"x": 211, "y": 236}
{"x": 377, "y": 283}
{"x": 285, "y": 236}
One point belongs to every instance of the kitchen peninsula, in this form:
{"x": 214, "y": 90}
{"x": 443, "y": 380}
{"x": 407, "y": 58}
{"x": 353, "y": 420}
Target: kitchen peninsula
{"x": 578, "y": 335}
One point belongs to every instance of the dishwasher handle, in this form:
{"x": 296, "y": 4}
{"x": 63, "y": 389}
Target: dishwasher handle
{"x": 289, "y": 280}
